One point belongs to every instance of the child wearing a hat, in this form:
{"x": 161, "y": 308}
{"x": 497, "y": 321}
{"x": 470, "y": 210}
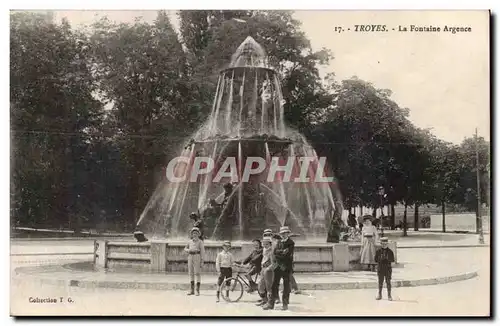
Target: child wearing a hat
{"x": 370, "y": 237}
{"x": 223, "y": 266}
{"x": 283, "y": 253}
{"x": 384, "y": 258}
{"x": 267, "y": 273}
{"x": 196, "y": 255}
{"x": 254, "y": 260}
{"x": 275, "y": 238}
{"x": 268, "y": 233}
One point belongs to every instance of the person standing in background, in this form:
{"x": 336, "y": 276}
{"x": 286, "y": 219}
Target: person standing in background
{"x": 360, "y": 222}
{"x": 351, "y": 221}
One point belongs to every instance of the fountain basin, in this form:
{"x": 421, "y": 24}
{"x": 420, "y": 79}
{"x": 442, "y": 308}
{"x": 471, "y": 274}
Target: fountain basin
{"x": 168, "y": 256}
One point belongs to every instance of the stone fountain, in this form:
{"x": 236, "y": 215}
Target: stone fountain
{"x": 246, "y": 121}
{"x": 246, "y": 126}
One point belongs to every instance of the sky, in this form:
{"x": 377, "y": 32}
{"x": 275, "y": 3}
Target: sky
{"x": 443, "y": 78}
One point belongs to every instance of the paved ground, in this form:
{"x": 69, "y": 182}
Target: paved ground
{"x": 422, "y": 238}
{"x": 465, "y": 298}
{"x": 416, "y": 265}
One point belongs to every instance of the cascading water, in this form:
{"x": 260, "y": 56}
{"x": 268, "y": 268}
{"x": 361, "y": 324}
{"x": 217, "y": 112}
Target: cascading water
{"x": 247, "y": 120}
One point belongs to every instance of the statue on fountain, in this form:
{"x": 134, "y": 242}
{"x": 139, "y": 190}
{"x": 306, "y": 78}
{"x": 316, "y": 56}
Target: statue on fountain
{"x": 198, "y": 223}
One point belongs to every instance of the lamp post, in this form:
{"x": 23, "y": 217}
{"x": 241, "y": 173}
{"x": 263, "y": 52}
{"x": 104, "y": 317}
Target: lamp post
{"x": 381, "y": 193}
{"x": 479, "y": 220}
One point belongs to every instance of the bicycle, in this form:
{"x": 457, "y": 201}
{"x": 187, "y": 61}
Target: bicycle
{"x": 232, "y": 288}
{"x": 352, "y": 234}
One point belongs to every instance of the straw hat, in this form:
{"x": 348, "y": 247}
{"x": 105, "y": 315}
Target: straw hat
{"x": 267, "y": 239}
{"x": 139, "y": 236}
{"x": 266, "y": 231}
{"x": 384, "y": 239}
{"x": 195, "y": 229}
{"x": 285, "y": 229}
{"x": 367, "y": 217}
{"x": 226, "y": 244}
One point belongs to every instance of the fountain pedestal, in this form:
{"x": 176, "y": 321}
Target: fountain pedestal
{"x": 159, "y": 256}
{"x": 101, "y": 253}
{"x": 340, "y": 257}
{"x": 169, "y": 256}
{"x": 275, "y": 176}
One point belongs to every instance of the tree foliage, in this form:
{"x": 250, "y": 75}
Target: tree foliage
{"x": 211, "y": 38}
{"x": 52, "y": 111}
{"x": 97, "y": 112}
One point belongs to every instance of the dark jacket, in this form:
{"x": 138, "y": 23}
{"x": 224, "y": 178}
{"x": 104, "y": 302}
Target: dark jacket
{"x": 351, "y": 221}
{"x": 384, "y": 257}
{"x": 254, "y": 259}
{"x": 200, "y": 225}
{"x": 283, "y": 252}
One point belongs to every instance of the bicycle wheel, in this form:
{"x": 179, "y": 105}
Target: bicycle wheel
{"x": 232, "y": 291}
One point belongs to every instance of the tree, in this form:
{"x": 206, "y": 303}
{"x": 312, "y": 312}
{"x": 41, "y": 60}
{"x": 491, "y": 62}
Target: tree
{"x": 141, "y": 71}
{"x": 361, "y": 134}
{"x": 52, "y": 110}
{"x": 212, "y": 37}
{"x": 71, "y": 157}
{"x": 446, "y": 168}
{"x": 468, "y": 174}
{"x": 421, "y": 176}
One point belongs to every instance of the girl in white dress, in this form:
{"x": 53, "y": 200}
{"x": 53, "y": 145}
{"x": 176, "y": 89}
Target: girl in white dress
{"x": 370, "y": 237}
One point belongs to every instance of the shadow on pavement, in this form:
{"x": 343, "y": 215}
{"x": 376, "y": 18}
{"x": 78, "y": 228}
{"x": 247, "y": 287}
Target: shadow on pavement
{"x": 396, "y": 299}
{"x": 301, "y": 308}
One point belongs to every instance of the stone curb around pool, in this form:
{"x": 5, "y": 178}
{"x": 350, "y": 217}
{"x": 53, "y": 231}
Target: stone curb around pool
{"x": 165, "y": 286}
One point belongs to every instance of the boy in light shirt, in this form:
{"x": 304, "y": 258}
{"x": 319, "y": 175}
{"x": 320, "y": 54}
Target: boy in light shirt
{"x": 223, "y": 265}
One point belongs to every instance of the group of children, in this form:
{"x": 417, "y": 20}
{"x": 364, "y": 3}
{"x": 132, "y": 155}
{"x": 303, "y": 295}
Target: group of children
{"x": 272, "y": 259}
{"x": 281, "y": 267}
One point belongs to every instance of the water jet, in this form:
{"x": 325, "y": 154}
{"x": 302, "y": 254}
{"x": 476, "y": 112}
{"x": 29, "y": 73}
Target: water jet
{"x": 246, "y": 122}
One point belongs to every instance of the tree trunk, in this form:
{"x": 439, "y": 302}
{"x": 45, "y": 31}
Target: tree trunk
{"x": 443, "y": 208}
{"x": 405, "y": 221}
{"x": 374, "y": 212}
{"x": 393, "y": 217}
{"x": 415, "y": 220}
{"x": 361, "y": 210}
{"x": 77, "y": 224}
